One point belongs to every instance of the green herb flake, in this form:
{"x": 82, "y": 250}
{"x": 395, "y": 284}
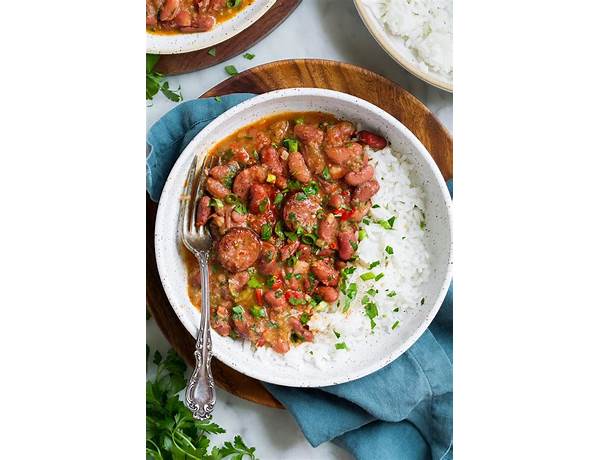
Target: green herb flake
{"x": 278, "y": 199}
{"x": 291, "y": 145}
{"x": 265, "y": 232}
{"x": 212, "y": 52}
{"x": 238, "y": 312}
{"x": 372, "y": 291}
{"x": 299, "y": 121}
{"x": 367, "y": 276}
{"x": 361, "y": 234}
{"x": 311, "y": 189}
{"x": 233, "y": 3}
{"x": 375, "y": 206}
{"x": 217, "y": 98}
{"x": 378, "y": 277}
{"x": 395, "y": 325}
{"x": 389, "y": 250}
{"x": 301, "y": 196}
{"x": 374, "y": 264}
{"x": 231, "y": 70}
{"x": 249, "y": 56}
{"x": 341, "y": 346}
{"x": 422, "y": 300}
{"x": 262, "y": 206}
{"x": 326, "y": 175}
{"x": 396, "y": 310}
{"x": 279, "y": 230}
{"x": 258, "y": 312}
{"x": 337, "y": 334}
{"x": 304, "y": 318}
{"x": 391, "y": 294}
{"x": 254, "y": 283}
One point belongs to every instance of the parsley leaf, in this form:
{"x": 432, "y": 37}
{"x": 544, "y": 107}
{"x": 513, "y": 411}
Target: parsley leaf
{"x": 249, "y": 56}
{"x": 231, "y": 70}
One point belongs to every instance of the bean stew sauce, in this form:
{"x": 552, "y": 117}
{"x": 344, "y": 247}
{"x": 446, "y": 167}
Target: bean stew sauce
{"x": 188, "y": 16}
{"x": 283, "y": 203}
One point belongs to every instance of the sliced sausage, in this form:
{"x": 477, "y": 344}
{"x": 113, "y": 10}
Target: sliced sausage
{"x": 270, "y": 158}
{"x": 246, "y": 177}
{"x": 328, "y": 229}
{"x": 298, "y": 167}
{"x": 327, "y": 293}
{"x": 299, "y": 212}
{"x": 203, "y": 211}
{"x": 216, "y": 189}
{"x": 366, "y": 190}
{"x": 325, "y": 272}
{"x": 345, "y": 240}
{"x": 238, "y": 249}
{"x": 357, "y": 178}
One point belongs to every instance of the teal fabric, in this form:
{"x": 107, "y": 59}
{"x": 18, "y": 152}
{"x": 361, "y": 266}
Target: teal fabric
{"x": 403, "y": 411}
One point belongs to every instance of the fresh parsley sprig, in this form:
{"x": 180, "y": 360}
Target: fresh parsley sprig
{"x": 171, "y": 431}
{"x": 156, "y": 82}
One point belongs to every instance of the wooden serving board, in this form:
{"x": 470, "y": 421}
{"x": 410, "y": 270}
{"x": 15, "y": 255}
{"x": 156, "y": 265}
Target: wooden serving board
{"x": 292, "y": 74}
{"x": 174, "y": 64}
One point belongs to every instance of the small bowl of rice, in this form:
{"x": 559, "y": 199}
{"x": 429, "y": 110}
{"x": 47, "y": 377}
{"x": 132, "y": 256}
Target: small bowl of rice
{"x": 417, "y": 34}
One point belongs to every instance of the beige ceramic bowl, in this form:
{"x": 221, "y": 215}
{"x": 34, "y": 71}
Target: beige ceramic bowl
{"x": 399, "y": 53}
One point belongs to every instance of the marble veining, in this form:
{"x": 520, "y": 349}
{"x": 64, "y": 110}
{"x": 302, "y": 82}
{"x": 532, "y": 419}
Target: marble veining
{"x": 326, "y": 29}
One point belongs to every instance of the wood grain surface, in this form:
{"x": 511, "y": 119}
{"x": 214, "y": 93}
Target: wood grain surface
{"x": 174, "y": 64}
{"x": 290, "y": 74}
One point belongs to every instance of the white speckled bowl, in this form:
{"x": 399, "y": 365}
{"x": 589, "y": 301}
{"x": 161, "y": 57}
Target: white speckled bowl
{"x": 361, "y": 360}
{"x": 184, "y": 43}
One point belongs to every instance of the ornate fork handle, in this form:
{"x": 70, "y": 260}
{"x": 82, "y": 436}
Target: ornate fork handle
{"x": 200, "y": 396}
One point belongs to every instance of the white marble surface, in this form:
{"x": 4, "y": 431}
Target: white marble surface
{"x": 327, "y": 29}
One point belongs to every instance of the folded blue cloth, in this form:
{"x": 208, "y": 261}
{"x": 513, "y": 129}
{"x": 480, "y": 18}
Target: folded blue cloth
{"x": 403, "y": 411}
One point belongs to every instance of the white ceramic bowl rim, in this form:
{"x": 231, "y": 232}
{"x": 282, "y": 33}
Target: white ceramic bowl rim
{"x": 185, "y": 43}
{"x": 185, "y": 157}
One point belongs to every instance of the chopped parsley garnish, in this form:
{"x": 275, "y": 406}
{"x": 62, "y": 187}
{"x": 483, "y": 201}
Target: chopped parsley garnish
{"x": 372, "y": 291}
{"x": 215, "y": 203}
{"x": 270, "y": 281}
{"x": 389, "y": 250}
{"x": 262, "y": 206}
{"x": 422, "y": 300}
{"x": 299, "y": 121}
{"x": 238, "y": 205}
{"x": 341, "y": 346}
{"x": 278, "y": 198}
{"x": 233, "y": 3}
{"x": 374, "y": 264}
{"x": 254, "y": 283}
{"x": 279, "y": 230}
{"x": 296, "y": 301}
{"x": 354, "y": 245}
{"x": 391, "y": 294}
{"x": 258, "y": 312}
{"x": 238, "y": 312}
{"x": 361, "y": 234}
{"x": 395, "y": 325}
{"x": 311, "y": 189}
{"x": 265, "y": 232}
{"x": 375, "y": 206}
{"x": 212, "y": 51}
{"x": 378, "y": 277}
{"x": 387, "y": 224}
{"x": 304, "y": 318}
{"x": 217, "y": 98}
{"x": 422, "y": 225}
{"x": 371, "y": 311}
{"x": 337, "y": 334}
{"x": 301, "y": 196}
{"x": 291, "y": 145}
{"x": 249, "y": 56}
{"x": 326, "y": 174}
{"x": 291, "y": 236}
{"x": 231, "y": 70}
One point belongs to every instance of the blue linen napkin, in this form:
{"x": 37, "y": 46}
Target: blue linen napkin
{"x": 403, "y": 411}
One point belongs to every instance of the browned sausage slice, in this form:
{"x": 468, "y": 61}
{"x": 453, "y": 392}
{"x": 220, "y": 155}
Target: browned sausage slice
{"x": 300, "y": 211}
{"x": 238, "y": 249}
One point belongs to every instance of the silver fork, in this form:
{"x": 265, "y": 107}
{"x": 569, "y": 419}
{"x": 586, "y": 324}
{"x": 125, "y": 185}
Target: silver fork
{"x": 200, "y": 395}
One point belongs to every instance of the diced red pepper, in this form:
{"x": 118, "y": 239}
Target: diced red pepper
{"x": 277, "y": 283}
{"x": 333, "y": 245}
{"x": 295, "y": 294}
{"x": 372, "y": 140}
{"x": 259, "y": 296}
{"x": 344, "y": 214}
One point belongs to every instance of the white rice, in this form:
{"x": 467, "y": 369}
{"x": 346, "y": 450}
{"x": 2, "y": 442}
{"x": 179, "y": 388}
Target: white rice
{"x": 405, "y": 271}
{"x": 423, "y": 27}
